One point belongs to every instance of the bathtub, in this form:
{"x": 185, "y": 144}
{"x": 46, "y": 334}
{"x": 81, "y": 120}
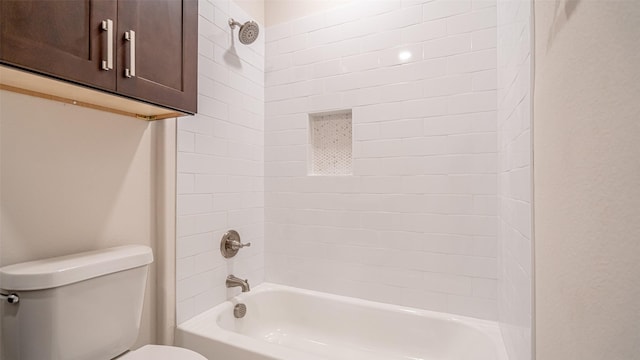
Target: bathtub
{"x": 294, "y": 324}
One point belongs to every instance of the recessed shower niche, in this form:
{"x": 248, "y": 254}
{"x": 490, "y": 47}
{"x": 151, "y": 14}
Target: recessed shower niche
{"x": 330, "y": 143}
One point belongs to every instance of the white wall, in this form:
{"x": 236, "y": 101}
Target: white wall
{"x": 587, "y": 177}
{"x": 75, "y": 179}
{"x": 279, "y": 11}
{"x": 514, "y": 176}
{"x": 416, "y": 223}
{"x": 221, "y": 164}
{"x": 254, "y": 9}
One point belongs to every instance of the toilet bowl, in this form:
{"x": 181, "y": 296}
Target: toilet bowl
{"x": 160, "y": 352}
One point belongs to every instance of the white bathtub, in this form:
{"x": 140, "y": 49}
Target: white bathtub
{"x": 294, "y": 324}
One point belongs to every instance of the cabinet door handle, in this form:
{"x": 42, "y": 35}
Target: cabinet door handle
{"x": 130, "y": 36}
{"x": 107, "y": 25}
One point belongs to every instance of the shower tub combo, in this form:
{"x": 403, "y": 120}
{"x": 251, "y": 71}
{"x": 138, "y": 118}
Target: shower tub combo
{"x": 289, "y": 323}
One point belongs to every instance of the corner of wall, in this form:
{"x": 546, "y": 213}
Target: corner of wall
{"x": 165, "y": 220}
{"x": 220, "y": 164}
{"x": 515, "y": 176}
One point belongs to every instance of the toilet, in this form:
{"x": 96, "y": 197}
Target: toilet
{"x": 86, "y": 306}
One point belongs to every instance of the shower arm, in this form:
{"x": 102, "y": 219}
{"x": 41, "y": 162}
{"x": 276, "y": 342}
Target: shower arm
{"x": 233, "y": 23}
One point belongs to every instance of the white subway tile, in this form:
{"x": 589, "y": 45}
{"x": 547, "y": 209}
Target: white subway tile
{"x": 186, "y": 141}
{"x": 184, "y": 268}
{"x": 210, "y": 222}
{"x": 472, "y": 21}
{"x": 480, "y": 4}
{"x": 409, "y": 3}
{"x": 212, "y": 70}
{"x": 279, "y": 31}
{"x": 209, "y": 298}
{"x": 308, "y": 23}
{"x": 291, "y": 44}
{"x": 193, "y": 204}
{"x": 450, "y": 284}
{"x": 342, "y": 82}
{"x": 209, "y": 145}
{"x": 475, "y": 61}
{"x": 362, "y": 62}
{"x": 185, "y": 310}
{"x": 214, "y": 108}
{"x": 308, "y": 88}
{"x": 205, "y": 47}
{"x": 485, "y": 80}
{"x": 453, "y": 244}
{"x": 424, "y": 108}
{"x": 472, "y": 306}
{"x": 378, "y": 112}
{"x": 401, "y": 92}
{"x": 308, "y": 56}
{"x": 369, "y": 8}
{"x": 396, "y": 19}
{"x": 286, "y": 153}
{"x": 423, "y": 69}
{"x": 280, "y": 92}
{"x": 425, "y": 31}
{"x": 447, "y": 46}
{"x": 279, "y": 77}
{"x": 475, "y": 102}
{"x": 444, "y": 8}
{"x": 485, "y": 288}
{"x": 486, "y": 246}
{"x": 341, "y": 49}
{"x": 211, "y": 183}
{"x": 449, "y": 85}
{"x": 284, "y": 61}
{"x": 477, "y": 143}
{"x": 402, "y": 128}
{"x": 355, "y": 29}
{"x": 401, "y": 55}
{"x": 191, "y": 245}
{"x": 327, "y": 68}
{"x": 380, "y": 41}
{"x": 342, "y": 14}
{"x": 484, "y": 39}
{"x": 323, "y": 36}
{"x": 424, "y": 299}
{"x": 287, "y": 122}
{"x": 323, "y": 103}
{"x": 221, "y": 16}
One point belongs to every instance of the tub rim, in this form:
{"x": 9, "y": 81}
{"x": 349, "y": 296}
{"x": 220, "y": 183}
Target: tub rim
{"x": 205, "y": 324}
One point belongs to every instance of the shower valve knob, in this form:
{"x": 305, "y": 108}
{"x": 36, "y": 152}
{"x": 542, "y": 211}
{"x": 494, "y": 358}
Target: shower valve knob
{"x": 230, "y": 244}
{"x": 236, "y": 245}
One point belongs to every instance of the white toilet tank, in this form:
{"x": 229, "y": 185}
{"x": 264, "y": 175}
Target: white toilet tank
{"x": 84, "y": 306}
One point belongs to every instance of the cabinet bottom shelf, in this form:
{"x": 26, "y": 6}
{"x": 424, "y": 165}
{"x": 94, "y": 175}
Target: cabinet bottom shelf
{"x": 27, "y": 83}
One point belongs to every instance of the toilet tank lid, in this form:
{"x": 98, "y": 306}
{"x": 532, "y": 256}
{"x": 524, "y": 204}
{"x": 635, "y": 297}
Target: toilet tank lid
{"x": 63, "y": 270}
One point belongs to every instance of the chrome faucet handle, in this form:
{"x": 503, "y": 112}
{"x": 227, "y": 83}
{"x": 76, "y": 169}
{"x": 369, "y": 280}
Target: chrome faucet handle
{"x": 230, "y": 244}
{"x": 237, "y": 245}
{"x": 10, "y": 298}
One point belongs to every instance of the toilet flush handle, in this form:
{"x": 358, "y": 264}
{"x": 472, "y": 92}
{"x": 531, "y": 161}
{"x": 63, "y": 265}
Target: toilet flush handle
{"x": 10, "y": 298}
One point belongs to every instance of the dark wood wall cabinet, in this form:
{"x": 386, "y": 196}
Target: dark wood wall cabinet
{"x": 140, "y": 50}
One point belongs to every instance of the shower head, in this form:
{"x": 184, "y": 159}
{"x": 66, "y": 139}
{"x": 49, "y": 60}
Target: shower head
{"x": 248, "y": 31}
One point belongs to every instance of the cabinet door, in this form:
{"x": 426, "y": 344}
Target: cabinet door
{"x": 64, "y": 39}
{"x": 157, "y": 51}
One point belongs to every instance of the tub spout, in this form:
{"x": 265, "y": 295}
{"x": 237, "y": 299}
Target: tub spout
{"x": 233, "y": 281}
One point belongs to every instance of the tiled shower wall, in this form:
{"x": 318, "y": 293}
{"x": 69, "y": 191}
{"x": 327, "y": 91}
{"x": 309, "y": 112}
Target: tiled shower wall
{"x": 221, "y": 164}
{"x": 514, "y": 177}
{"x": 416, "y": 223}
